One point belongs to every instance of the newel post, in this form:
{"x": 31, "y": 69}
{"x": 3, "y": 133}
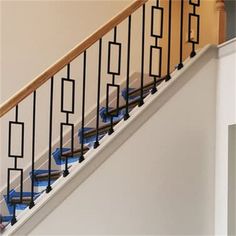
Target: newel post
{"x": 221, "y": 21}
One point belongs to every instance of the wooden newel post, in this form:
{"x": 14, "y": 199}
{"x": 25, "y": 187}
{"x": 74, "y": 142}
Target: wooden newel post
{"x": 221, "y": 21}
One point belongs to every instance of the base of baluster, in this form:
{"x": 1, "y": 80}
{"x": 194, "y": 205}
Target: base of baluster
{"x": 81, "y": 158}
{"x": 13, "y": 220}
{"x": 110, "y": 131}
{"x": 193, "y": 53}
{"x": 65, "y": 173}
{"x": 167, "y": 78}
{"x": 180, "y": 66}
{"x": 154, "y": 90}
{"x": 96, "y": 144}
{"x": 31, "y": 205}
{"x": 48, "y": 189}
{"x": 126, "y": 116}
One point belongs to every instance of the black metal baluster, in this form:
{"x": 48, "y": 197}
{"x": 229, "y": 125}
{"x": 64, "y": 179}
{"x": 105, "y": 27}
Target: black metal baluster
{"x": 154, "y": 89}
{"x": 191, "y": 16}
{"x": 126, "y": 116}
{"x": 67, "y": 111}
{"x": 33, "y": 151}
{"x": 15, "y": 156}
{"x": 96, "y": 144}
{"x": 168, "y": 76}
{"x": 66, "y": 172}
{"x": 111, "y": 130}
{"x": 14, "y": 220}
{"x": 141, "y": 102}
{"x": 49, "y": 188}
{"x": 113, "y": 72}
{"x": 181, "y": 36}
{"x": 156, "y": 47}
{"x": 81, "y": 158}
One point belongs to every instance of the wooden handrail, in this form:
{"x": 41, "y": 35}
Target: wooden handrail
{"x": 75, "y": 52}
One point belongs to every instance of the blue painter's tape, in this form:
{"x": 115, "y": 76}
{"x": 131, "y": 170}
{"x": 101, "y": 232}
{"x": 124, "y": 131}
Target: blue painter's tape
{"x": 107, "y": 119}
{"x": 88, "y": 141}
{"x": 57, "y": 156}
{"x": 124, "y": 93}
{"x": 6, "y": 219}
{"x": 42, "y": 182}
{"x": 40, "y": 171}
{"x": 20, "y": 206}
{"x": 133, "y": 97}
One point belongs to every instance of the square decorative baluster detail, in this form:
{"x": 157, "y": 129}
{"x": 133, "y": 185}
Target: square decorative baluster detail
{"x": 16, "y": 139}
{"x": 155, "y": 61}
{"x": 110, "y": 103}
{"x": 64, "y": 129}
{"x": 194, "y": 2}
{"x": 157, "y": 22}
{"x": 67, "y": 95}
{"x": 114, "y": 58}
{"x": 194, "y": 26}
{"x": 9, "y": 180}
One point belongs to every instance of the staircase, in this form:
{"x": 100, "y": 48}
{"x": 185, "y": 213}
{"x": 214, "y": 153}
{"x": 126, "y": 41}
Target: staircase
{"x": 27, "y": 186}
{"x": 17, "y": 202}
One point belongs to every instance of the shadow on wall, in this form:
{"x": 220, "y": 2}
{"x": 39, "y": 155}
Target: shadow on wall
{"x": 232, "y": 181}
{"x": 231, "y": 18}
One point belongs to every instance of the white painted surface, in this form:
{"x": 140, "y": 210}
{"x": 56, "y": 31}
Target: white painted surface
{"x": 225, "y": 116}
{"x": 163, "y": 185}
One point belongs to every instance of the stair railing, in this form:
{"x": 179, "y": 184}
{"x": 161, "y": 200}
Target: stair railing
{"x": 156, "y": 52}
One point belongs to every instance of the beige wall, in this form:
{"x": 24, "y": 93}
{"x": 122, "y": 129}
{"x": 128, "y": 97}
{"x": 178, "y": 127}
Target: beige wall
{"x": 36, "y": 33}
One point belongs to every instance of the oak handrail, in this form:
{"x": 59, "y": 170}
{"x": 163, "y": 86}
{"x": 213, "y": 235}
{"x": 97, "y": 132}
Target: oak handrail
{"x": 74, "y": 53}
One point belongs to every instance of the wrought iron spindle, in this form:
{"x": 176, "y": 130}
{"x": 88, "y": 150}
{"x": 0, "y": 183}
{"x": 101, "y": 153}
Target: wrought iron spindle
{"x": 168, "y": 76}
{"x": 16, "y": 169}
{"x": 126, "y": 116}
{"x": 81, "y": 158}
{"x": 49, "y": 188}
{"x": 109, "y": 85}
{"x": 141, "y": 102}
{"x": 193, "y": 15}
{"x": 156, "y": 47}
{"x": 180, "y": 65}
{"x": 111, "y": 130}
{"x": 96, "y": 144}
{"x": 67, "y": 111}
{"x": 33, "y": 151}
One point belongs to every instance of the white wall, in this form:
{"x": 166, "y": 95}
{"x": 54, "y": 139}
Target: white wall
{"x": 161, "y": 180}
{"x": 225, "y": 116}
